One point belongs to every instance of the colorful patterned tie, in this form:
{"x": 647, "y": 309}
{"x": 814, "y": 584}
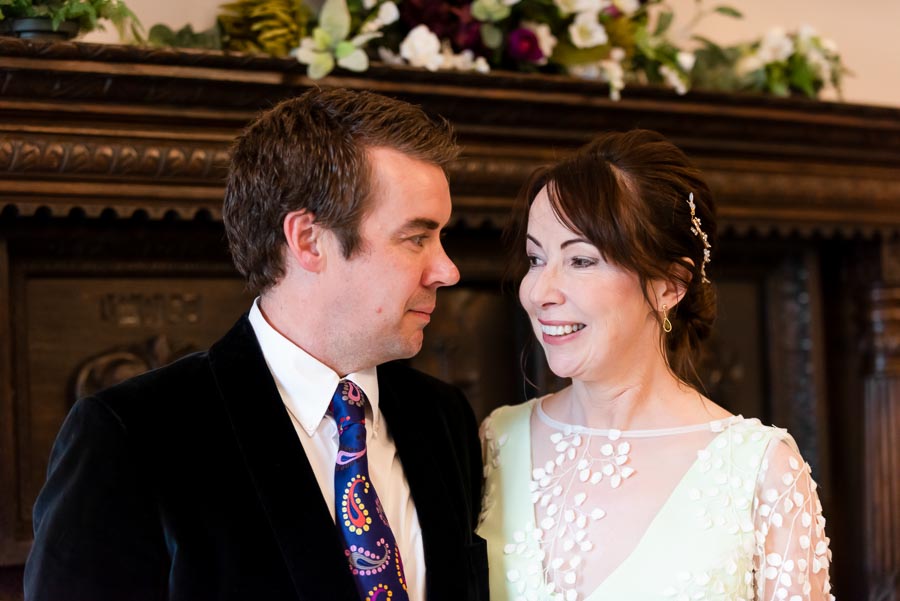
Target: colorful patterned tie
{"x": 369, "y": 544}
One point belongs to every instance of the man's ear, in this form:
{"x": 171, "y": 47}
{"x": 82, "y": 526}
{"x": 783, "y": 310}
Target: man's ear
{"x": 669, "y": 291}
{"x": 304, "y": 240}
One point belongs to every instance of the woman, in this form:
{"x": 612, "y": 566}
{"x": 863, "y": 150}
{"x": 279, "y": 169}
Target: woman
{"x": 629, "y": 484}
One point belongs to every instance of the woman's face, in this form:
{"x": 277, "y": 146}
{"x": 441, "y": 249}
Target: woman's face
{"x": 589, "y": 315}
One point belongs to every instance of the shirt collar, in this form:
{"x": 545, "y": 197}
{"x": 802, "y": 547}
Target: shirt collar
{"x": 306, "y": 384}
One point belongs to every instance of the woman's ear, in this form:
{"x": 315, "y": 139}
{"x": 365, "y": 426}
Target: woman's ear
{"x": 303, "y": 236}
{"x": 669, "y": 291}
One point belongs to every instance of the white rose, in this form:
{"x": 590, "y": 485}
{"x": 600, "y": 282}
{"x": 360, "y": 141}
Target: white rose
{"x": 422, "y": 48}
{"x": 568, "y": 7}
{"x": 587, "y": 32}
{"x": 776, "y": 46}
{"x": 388, "y": 13}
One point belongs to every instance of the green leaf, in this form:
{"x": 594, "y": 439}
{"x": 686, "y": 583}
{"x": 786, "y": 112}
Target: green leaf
{"x": 489, "y": 11}
{"x": 664, "y": 22}
{"x": 491, "y": 36}
{"x": 322, "y": 65}
{"x": 779, "y": 88}
{"x": 335, "y": 19}
{"x": 161, "y": 35}
{"x": 356, "y": 61}
{"x": 343, "y": 49}
{"x": 803, "y": 78}
{"x": 729, "y": 12}
{"x": 568, "y": 55}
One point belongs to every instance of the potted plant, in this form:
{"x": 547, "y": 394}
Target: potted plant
{"x": 63, "y": 19}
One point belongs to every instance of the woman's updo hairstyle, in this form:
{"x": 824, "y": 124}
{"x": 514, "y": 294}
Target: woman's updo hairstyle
{"x": 628, "y": 194}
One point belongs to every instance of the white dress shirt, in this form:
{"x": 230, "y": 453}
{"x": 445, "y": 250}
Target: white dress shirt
{"x": 306, "y": 386}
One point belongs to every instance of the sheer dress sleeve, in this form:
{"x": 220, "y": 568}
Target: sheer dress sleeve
{"x": 792, "y": 554}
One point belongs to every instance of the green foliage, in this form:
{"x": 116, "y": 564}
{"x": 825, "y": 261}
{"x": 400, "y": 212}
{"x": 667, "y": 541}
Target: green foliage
{"x": 729, "y": 12}
{"x": 715, "y": 68}
{"x": 186, "y": 37}
{"x": 89, "y": 14}
{"x": 788, "y": 63}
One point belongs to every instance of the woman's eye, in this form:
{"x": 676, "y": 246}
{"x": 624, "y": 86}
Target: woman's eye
{"x": 583, "y": 262}
{"x": 533, "y": 261}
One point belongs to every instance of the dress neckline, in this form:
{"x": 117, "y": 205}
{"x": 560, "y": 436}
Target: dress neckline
{"x": 717, "y": 425}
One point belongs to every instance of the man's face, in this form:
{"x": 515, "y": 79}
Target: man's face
{"x": 383, "y": 296}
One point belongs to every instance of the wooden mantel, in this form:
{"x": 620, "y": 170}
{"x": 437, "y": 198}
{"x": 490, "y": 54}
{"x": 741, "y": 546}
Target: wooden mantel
{"x": 92, "y": 116}
{"x": 112, "y": 160}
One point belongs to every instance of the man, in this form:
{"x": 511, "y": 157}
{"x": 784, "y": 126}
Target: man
{"x": 289, "y": 461}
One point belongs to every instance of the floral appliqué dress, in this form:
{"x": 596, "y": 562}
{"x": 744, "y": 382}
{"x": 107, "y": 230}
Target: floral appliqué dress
{"x": 719, "y": 511}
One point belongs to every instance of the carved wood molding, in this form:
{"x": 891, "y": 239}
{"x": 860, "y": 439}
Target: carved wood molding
{"x": 119, "y": 129}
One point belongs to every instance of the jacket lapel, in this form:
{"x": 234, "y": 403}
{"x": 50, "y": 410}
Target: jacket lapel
{"x": 284, "y": 480}
{"x": 407, "y": 418}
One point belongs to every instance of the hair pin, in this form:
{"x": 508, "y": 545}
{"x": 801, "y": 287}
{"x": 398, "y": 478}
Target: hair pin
{"x": 695, "y": 228}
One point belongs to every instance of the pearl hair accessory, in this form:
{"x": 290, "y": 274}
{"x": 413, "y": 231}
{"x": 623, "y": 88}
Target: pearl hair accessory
{"x": 695, "y": 228}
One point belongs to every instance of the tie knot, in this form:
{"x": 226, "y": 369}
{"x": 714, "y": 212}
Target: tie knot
{"x": 348, "y": 405}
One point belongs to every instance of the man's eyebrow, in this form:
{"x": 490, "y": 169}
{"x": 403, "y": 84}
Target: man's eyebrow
{"x": 419, "y": 224}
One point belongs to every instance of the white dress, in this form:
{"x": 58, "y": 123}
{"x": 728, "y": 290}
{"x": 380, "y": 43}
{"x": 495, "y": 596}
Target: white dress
{"x": 721, "y": 511}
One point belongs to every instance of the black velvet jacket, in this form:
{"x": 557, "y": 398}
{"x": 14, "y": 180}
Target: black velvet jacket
{"x": 189, "y": 483}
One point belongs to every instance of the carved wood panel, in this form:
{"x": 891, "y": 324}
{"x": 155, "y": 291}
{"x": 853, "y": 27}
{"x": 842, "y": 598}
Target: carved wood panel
{"x": 77, "y": 331}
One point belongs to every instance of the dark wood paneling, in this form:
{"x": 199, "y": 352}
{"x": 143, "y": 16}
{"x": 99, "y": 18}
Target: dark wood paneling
{"x": 112, "y": 256}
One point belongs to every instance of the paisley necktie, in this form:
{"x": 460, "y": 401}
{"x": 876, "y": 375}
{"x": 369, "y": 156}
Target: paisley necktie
{"x": 369, "y": 544}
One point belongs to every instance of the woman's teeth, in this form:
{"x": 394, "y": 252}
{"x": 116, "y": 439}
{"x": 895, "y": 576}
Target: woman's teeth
{"x": 561, "y": 330}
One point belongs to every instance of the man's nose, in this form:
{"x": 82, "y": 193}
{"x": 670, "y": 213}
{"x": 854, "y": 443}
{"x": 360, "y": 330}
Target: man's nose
{"x": 443, "y": 271}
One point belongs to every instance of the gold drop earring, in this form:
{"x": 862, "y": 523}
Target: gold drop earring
{"x": 666, "y": 324}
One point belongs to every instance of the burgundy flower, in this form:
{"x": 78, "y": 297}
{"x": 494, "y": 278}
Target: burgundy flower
{"x": 448, "y": 19}
{"x": 522, "y": 45}
{"x": 613, "y": 11}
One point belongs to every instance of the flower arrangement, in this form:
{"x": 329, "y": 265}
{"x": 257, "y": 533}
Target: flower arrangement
{"x": 614, "y": 41}
{"x": 782, "y": 63}
{"x": 609, "y": 40}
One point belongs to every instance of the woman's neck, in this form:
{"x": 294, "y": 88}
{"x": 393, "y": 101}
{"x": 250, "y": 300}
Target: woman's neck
{"x": 649, "y": 402}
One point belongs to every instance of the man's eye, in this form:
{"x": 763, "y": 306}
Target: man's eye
{"x": 418, "y": 240}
